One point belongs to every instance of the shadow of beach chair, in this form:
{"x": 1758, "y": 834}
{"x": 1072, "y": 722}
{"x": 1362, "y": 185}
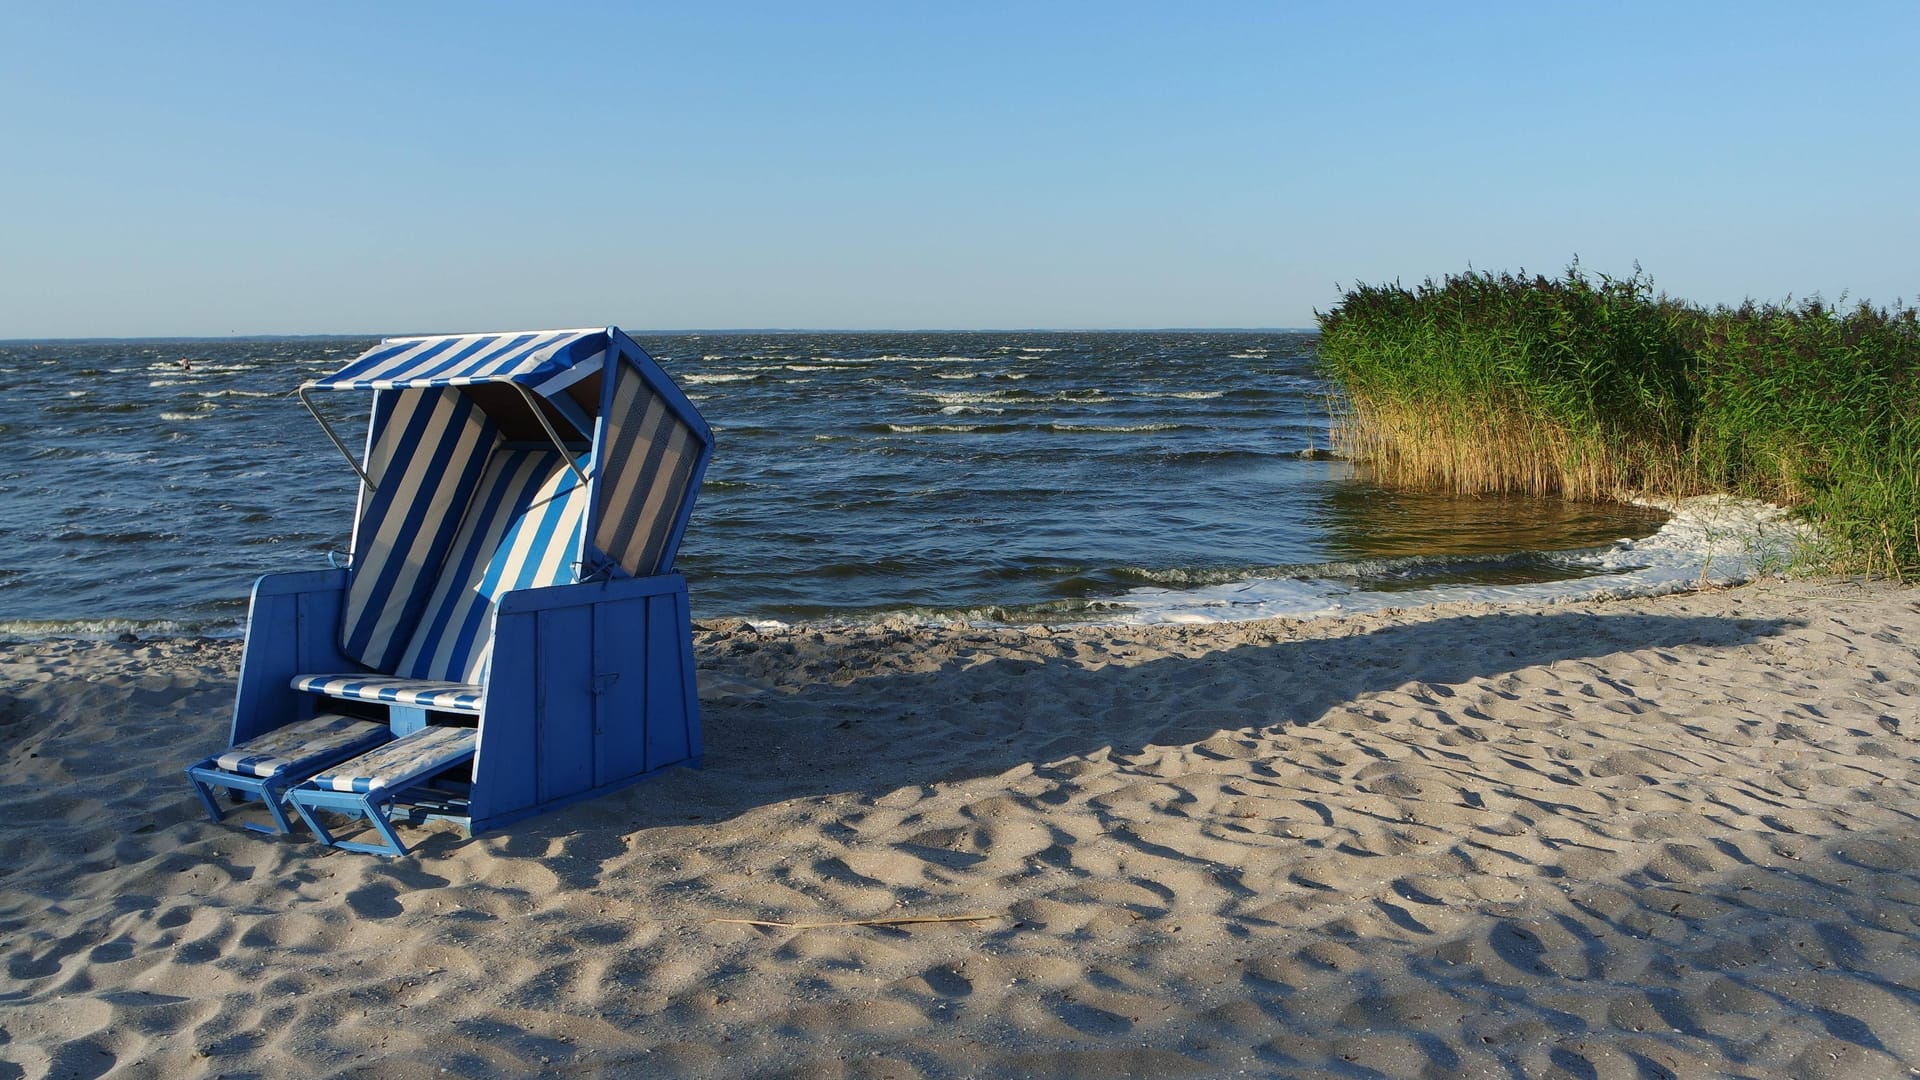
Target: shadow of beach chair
{"x": 509, "y": 617}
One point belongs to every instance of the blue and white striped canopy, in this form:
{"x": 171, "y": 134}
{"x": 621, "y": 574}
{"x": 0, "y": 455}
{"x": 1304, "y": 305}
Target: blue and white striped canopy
{"x": 532, "y": 357}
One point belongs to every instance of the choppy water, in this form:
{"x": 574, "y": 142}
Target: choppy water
{"x": 1007, "y": 475}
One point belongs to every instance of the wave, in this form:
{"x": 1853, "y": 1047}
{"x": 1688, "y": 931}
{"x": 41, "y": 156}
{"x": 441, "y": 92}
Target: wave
{"x": 1111, "y": 429}
{"x": 90, "y": 408}
{"x": 971, "y": 397}
{"x": 946, "y": 429}
{"x": 141, "y": 536}
{"x": 1386, "y": 572}
{"x": 1239, "y": 455}
{"x": 110, "y": 629}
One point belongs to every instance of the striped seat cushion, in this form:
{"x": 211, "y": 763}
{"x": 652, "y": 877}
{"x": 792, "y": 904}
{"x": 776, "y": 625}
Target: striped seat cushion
{"x": 421, "y": 693}
{"x": 302, "y": 746}
{"x": 402, "y": 761}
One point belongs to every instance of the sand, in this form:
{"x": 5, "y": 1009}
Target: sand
{"x": 1646, "y": 838}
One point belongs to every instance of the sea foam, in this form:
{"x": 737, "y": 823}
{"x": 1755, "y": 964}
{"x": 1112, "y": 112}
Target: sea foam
{"x": 1710, "y": 540}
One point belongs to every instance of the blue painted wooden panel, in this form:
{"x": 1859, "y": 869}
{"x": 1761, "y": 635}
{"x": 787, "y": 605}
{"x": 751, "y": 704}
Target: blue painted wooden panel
{"x": 589, "y": 592}
{"x": 565, "y": 701}
{"x": 293, "y": 628}
{"x": 689, "y": 699}
{"x": 547, "y": 738}
{"x": 503, "y": 772}
{"x": 620, "y": 649}
{"x": 667, "y": 697}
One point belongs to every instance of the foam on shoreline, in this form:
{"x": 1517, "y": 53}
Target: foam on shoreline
{"x": 1710, "y": 540}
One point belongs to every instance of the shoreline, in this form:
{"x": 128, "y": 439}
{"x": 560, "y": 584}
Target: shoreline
{"x": 1707, "y": 541}
{"x": 1661, "y": 835}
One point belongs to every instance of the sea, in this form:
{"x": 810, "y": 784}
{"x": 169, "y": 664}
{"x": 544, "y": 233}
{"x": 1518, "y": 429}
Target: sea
{"x": 1017, "y": 477}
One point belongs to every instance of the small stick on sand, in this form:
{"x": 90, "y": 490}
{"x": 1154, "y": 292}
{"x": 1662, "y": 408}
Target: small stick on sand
{"x": 897, "y": 920}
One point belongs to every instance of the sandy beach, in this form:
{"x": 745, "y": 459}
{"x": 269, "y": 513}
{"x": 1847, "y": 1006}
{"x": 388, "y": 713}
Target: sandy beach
{"x": 1670, "y": 837}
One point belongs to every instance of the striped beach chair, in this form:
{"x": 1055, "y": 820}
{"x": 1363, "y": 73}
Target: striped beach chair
{"x": 509, "y": 616}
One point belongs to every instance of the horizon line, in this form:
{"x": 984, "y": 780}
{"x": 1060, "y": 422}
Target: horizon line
{"x": 111, "y": 338}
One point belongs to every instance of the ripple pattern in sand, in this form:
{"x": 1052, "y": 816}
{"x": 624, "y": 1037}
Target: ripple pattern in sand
{"x": 1668, "y": 837}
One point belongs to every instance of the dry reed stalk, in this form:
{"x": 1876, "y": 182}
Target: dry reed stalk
{"x": 898, "y": 920}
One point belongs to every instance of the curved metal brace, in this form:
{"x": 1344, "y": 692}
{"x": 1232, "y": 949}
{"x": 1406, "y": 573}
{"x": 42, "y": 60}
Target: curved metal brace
{"x": 342, "y": 447}
{"x": 540, "y": 415}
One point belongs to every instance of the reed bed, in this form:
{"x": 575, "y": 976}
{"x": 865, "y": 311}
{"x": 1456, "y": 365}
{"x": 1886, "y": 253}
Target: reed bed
{"x": 1602, "y": 388}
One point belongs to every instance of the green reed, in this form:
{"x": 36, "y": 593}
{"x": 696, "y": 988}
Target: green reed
{"x": 1603, "y": 389}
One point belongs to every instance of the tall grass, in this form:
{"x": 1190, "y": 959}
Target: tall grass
{"x": 1603, "y": 388}
{"x": 1819, "y": 408}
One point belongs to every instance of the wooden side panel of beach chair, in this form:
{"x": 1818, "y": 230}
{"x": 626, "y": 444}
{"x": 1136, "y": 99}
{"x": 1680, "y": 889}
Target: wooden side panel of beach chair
{"x": 601, "y": 693}
{"x": 293, "y": 625}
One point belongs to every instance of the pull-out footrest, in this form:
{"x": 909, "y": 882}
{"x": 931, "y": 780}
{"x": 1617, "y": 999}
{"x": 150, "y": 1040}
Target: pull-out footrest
{"x": 267, "y": 765}
{"x": 368, "y": 786}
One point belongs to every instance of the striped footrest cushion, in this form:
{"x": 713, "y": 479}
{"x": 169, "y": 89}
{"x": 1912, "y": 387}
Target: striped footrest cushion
{"x": 423, "y": 693}
{"x": 303, "y": 746}
{"x": 401, "y": 761}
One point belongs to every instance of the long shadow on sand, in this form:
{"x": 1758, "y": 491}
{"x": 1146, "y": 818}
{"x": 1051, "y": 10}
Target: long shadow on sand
{"x": 879, "y": 733}
{"x": 1757, "y": 952}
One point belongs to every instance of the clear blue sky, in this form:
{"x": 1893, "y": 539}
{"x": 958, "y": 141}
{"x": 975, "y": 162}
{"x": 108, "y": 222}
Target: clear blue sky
{"x": 192, "y": 168}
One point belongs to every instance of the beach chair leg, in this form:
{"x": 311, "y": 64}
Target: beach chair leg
{"x": 276, "y": 800}
{"x": 271, "y": 795}
{"x": 377, "y": 817}
{"x": 206, "y": 795}
{"x": 320, "y": 832}
{"x": 375, "y": 809}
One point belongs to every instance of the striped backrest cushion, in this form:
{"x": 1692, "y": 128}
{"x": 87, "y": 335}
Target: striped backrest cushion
{"x": 452, "y": 638}
{"x": 428, "y": 451}
{"x": 544, "y": 543}
{"x": 647, "y": 466}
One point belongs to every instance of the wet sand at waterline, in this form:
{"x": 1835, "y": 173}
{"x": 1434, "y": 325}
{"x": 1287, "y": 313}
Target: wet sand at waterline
{"x": 1674, "y": 836}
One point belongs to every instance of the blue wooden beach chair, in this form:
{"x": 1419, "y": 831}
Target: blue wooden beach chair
{"x": 508, "y": 635}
